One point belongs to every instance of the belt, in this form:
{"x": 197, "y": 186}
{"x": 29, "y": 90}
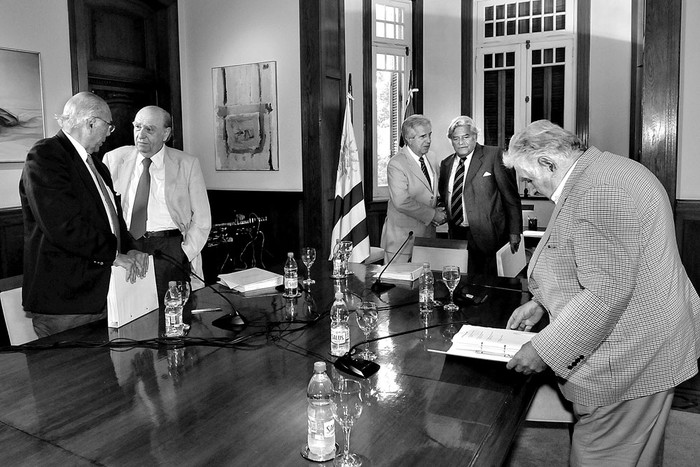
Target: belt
{"x": 162, "y": 233}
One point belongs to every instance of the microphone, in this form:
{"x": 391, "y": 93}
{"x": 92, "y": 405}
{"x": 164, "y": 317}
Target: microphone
{"x": 378, "y": 287}
{"x": 235, "y": 320}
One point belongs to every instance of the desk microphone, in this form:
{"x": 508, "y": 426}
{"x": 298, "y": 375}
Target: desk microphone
{"x": 236, "y": 320}
{"x": 380, "y": 288}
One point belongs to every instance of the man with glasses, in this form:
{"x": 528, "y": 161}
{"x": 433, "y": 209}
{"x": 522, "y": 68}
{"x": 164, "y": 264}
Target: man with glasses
{"x": 481, "y": 196}
{"x": 413, "y": 195}
{"x": 164, "y": 199}
{"x": 73, "y": 228}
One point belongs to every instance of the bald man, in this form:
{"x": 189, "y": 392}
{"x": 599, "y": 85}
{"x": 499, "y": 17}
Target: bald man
{"x": 73, "y": 228}
{"x": 164, "y": 199}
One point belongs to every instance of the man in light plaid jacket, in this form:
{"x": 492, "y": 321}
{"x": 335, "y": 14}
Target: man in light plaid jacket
{"x": 624, "y": 317}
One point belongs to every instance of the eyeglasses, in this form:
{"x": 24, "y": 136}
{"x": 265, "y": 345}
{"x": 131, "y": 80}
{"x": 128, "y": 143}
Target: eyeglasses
{"x": 110, "y": 124}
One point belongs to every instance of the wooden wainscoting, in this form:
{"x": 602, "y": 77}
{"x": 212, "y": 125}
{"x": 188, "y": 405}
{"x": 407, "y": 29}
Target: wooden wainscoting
{"x": 11, "y": 242}
{"x": 688, "y": 236}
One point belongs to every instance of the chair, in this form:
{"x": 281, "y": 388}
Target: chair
{"x": 376, "y": 255}
{"x": 440, "y": 252}
{"x": 549, "y": 406}
{"x": 19, "y": 323}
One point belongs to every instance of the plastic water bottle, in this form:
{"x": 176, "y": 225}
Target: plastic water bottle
{"x": 426, "y": 288}
{"x": 340, "y": 330}
{"x": 173, "y": 311}
{"x": 291, "y": 276}
{"x": 321, "y": 433}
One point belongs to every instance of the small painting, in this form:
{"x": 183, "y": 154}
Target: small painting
{"x": 21, "y": 109}
{"x": 245, "y": 117}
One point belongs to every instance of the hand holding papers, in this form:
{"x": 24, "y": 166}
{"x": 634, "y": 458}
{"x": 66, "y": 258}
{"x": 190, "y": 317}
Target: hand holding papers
{"x": 488, "y": 343}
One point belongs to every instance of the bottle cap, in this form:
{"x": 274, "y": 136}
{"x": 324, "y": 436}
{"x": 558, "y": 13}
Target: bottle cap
{"x": 172, "y": 284}
{"x": 338, "y": 295}
{"x": 319, "y": 367}
{"x": 290, "y": 255}
{"x": 426, "y": 265}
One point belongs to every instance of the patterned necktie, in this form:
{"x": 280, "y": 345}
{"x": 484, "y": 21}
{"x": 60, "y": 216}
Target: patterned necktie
{"x": 457, "y": 190}
{"x": 139, "y": 212}
{"x": 424, "y": 168}
{"x": 111, "y": 211}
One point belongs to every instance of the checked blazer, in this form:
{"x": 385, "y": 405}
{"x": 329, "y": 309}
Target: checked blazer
{"x": 624, "y": 317}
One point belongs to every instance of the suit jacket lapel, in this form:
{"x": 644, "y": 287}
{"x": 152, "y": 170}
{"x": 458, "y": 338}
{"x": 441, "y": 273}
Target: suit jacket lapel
{"x": 171, "y": 168}
{"x": 583, "y": 163}
{"x": 475, "y": 163}
{"x": 410, "y": 163}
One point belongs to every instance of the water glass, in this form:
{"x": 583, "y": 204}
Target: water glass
{"x": 367, "y": 320}
{"x": 346, "y": 405}
{"x": 308, "y": 256}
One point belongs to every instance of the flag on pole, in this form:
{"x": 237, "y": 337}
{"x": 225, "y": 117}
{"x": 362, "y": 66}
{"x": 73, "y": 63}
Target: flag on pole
{"x": 349, "y": 214}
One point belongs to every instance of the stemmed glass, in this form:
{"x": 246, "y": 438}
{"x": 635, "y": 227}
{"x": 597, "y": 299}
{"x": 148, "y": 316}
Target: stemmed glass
{"x": 308, "y": 256}
{"x": 346, "y": 405}
{"x": 451, "y": 276}
{"x": 367, "y": 320}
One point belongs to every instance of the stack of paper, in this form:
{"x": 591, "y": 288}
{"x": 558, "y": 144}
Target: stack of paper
{"x": 401, "y": 272}
{"x": 126, "y": 301}
{"x": 510, "y": 264}
{"x": 488, "y": 343}
{"x": 251, "y": 279}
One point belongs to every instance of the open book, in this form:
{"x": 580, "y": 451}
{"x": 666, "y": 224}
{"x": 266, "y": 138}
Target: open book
{"x": 487, "y": 343}
{"x": 251, "y": 279}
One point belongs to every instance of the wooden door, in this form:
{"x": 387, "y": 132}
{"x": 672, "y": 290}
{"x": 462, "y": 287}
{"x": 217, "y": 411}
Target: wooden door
{"x": 127, "y": 52}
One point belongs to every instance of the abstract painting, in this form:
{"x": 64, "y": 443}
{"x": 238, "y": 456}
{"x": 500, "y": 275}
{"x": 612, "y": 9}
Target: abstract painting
{"x": 245, "y": 117}
{"x": 21, "y": 110}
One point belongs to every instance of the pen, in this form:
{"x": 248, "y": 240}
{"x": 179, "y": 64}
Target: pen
{"x": 204, "y": 310}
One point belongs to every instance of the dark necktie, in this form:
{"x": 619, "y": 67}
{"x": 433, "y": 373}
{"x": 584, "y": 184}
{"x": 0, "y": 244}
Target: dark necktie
{"x": 111, "y": 211}
{"x": 139, "y": 212}
{"x": 424, "y": 168}
{"x": 457, "y": 190}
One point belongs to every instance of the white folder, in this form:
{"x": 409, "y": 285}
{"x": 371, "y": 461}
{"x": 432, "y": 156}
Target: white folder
{"x": 510, "y": 264}
{"x": 126, "y": 301}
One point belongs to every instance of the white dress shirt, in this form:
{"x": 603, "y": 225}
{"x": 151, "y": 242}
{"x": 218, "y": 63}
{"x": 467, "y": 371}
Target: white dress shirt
{"x": 416, "y": 158}
{"x": 158, "y": 215}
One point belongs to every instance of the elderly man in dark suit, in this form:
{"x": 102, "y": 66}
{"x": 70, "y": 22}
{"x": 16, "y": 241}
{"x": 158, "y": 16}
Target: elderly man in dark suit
{"x": 624, "y": 317}
{"x": 481, "y": 196}
{"x": 73, "y": 229}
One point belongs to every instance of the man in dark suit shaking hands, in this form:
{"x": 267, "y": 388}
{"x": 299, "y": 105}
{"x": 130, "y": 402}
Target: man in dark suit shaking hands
{"x": 481, "y": 196}
{"x": 73, "y": 227}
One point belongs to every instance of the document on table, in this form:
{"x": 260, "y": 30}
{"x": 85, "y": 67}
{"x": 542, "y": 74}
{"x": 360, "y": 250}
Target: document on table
{"x": 251, "y": 279}
{"x": 487, "y": 343}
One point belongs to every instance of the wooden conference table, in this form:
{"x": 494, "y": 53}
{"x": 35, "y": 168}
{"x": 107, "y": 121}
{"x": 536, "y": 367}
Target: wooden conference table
{"x": 245, "y": 405}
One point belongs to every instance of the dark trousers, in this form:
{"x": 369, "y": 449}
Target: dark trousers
{"x": 479, "y": 262}
{"x": 173, "y": 267}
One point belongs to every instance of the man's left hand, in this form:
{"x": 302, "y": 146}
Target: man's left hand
{"x": 527, "y": 361}
{"x": 141, "y": 260}
{"x": 514, "y": 243}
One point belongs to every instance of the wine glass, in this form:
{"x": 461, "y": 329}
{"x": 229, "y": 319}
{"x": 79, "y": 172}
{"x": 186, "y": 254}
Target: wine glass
{"x": 367, "y": 315}
{"x": 451, "y": 276}
{"x": 346, "y": 405}
{"x": 308, "y": 256}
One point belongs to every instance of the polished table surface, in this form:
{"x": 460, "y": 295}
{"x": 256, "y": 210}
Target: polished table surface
{"x": 239, "y": 398}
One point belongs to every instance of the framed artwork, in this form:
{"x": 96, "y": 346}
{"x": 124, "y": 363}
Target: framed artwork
{"x": 21, "y": 109}
{"x": 245, "y": 117}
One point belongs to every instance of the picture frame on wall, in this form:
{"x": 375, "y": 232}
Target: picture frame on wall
{"x": 21, "y": 104}
{"x": 245, "y": 117}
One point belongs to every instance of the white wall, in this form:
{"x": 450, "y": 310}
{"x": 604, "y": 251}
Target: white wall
{"x": 216, "y": 33}
{"x": 610, "y": 75}
{"x": 689, "y": 128}
{"x": 37, "y": 26}
{"x": 442, "y": 69}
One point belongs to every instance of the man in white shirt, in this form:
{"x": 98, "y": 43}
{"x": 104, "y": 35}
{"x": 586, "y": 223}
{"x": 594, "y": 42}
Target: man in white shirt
{"x": 413, "y": 191}
{"x": 164, "y": 199}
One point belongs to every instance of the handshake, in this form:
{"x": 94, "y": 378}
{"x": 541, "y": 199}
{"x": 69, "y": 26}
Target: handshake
{"x": 440, "y": 216}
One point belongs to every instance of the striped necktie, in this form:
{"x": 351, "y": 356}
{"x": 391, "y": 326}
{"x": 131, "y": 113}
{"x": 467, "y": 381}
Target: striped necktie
{"x": 457, "y": 191}
{"x": 111, "y": 211}
{"x": 424, "y": 168}
{"x": 139, "y": 212}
